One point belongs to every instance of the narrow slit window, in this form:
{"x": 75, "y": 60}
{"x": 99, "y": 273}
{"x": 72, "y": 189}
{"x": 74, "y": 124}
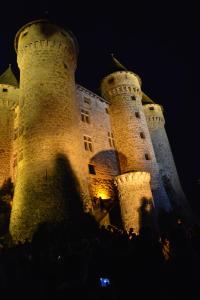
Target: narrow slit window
{"x": 111, "y": 139}
{"x": 147, "y": 157}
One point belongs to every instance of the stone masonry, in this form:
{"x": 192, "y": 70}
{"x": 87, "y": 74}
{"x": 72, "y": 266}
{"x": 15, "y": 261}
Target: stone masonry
{"x": 66, "y": 148}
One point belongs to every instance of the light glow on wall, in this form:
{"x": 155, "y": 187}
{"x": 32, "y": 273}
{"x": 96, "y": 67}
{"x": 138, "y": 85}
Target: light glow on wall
{"x": 103, "y": 194}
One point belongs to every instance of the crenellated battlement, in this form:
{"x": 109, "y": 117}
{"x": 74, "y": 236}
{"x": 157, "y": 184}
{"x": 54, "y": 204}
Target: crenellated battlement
{"x": 45, "y": 46}
{"x": 136, "y": 178}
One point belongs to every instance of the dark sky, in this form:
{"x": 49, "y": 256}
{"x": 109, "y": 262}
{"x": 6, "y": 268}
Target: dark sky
{"x": 159, "y": 42}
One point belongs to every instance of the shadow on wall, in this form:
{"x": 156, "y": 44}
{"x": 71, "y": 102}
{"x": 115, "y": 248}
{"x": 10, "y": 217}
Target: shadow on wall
{"x": 106, "y": 162}
{"x": 48, "y": 30}
{"x": 146, "y": 215}
{"x": 69, "y": 187}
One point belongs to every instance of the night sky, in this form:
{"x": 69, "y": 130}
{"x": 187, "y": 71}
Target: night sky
{"x": 159, "y": 43}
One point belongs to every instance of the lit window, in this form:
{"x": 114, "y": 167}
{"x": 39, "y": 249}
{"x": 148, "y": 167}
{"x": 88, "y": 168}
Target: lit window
{"x": 91, "y": 169}
{"x": 111, "y": 139}
{"x": 85, "y": 116}
{"x": 87, "y": 100}
{"x": 142, "y": 135}
{"x": 147, "y": 157}
{"x": 137, "y": 114}
{"x": 88, "y": 143}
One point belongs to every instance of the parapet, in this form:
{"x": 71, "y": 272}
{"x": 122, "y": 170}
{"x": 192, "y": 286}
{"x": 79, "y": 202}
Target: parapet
{"x": 136, "y": 178}
{"x": 120, "y": 82}
{"x": 154, "y": 115}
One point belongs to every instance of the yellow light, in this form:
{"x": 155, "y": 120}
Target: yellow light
{"x": 103, "y": 194}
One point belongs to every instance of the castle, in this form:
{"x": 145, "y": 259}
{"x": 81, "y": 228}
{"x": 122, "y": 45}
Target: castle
{"x": 59, "y": 141}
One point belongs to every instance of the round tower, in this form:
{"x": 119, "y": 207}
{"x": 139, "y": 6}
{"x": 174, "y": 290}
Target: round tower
{"x": 132, "y": 138}
{"x": 8, "y": 100}
{"x": 156, "y": 125}
{"x": 135, "y": 199}
{"x": 51, "y": 174}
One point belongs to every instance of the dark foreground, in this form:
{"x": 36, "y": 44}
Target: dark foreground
{"x": 67, "y": 262}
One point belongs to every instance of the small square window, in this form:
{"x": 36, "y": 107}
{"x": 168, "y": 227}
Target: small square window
{"x": 91, "y": 169}
{"x": 147, "y": 157}
{"x": 107, "y": 111}
{"x": 133, "y": 97}
{"x": 5, "y": 90}
{"x": 151, "y": 108}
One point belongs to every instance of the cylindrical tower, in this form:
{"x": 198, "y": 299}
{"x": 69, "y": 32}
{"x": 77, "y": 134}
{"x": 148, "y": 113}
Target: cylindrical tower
{"x": 133, "y": 142}
{"x": 135, "y": 199}
{"x": 156, "y": 125}
{"x": 50, "y": 169}
{"x": 8, "y": 98}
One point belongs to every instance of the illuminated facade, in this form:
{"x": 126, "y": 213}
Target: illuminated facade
{"x": 61, "y": 143}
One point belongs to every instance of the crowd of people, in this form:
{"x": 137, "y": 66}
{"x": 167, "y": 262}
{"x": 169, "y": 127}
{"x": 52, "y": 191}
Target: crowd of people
{"x": 70, "y": 261}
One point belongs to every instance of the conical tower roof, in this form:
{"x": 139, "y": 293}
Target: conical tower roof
{"x": 9, "y": 78}
{"x": 146, "y": 99}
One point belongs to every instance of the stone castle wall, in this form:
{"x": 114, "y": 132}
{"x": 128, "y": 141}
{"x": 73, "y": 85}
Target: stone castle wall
{"x": 50, "y": 168}
{"x": 133, "y": 141}
{"x": 102, "y": 155}
{"x": 62, "y": 145}
{"x": 156, "y": 125}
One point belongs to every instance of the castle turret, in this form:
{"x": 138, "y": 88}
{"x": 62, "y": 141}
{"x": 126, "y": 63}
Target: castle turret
{"x": 8, "y": 100}
{"x": 50, "y": 169}
{"x": 135, "y": 199}
{"x": 132, "y": 138}
{"x": 156, "y": 125}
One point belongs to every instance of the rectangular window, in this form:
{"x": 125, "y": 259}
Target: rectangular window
{"x": 151, "y": 108}
{"x": 142, "y": 135}
{"x": 147, "y": 157}
{"x": 111, "y": 139}
{"x": 85, "y": 116}
{"x": 91, "y": 169}
{"x": 137, "y": 114}
{"x": 88, "y": 143}
{"x": 87, "y": 100}
{"x": 5, "y": 90}
{"x": 133, "y": 97}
